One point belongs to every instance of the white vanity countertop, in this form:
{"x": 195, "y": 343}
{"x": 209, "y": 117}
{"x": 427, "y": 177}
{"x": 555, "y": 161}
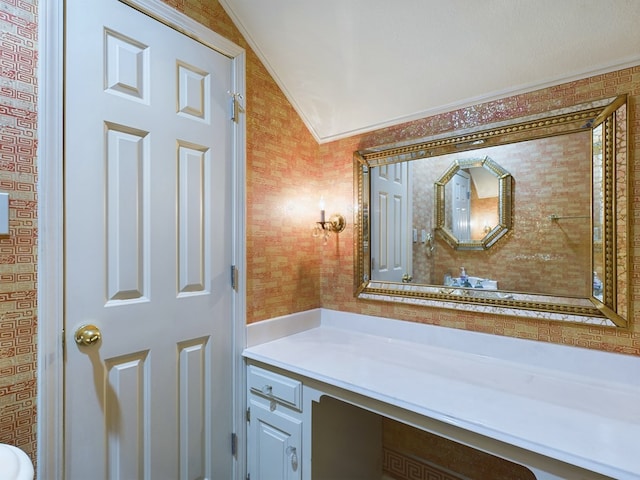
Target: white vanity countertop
{"x": 578, "y": 406}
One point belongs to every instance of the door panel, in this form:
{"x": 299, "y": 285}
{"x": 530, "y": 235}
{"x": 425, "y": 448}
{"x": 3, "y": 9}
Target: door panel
{"x": 128, "y": 430}
{"x": 127, "y": 164}
{"x": 148, "y": 249}
{"x": 276, "y": 443}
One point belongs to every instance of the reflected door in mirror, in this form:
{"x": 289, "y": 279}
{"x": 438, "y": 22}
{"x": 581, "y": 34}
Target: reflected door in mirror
{"x": 458, "y": 193}
{"x": 391, "y": 209}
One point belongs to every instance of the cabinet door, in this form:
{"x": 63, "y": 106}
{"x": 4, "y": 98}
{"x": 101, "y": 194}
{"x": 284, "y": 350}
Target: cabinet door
{"x": 274, "y": 442}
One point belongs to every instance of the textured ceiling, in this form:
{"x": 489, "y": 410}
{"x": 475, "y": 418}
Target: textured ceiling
{"x": 350, "y": 66}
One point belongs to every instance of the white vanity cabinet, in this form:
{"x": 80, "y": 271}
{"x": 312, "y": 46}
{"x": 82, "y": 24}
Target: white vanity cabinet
{"x": 275, "y": 425}
{"x": 291, "y": 423}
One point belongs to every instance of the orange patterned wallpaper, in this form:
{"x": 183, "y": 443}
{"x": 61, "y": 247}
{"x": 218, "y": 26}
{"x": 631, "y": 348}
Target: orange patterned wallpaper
{"x": 410, "y": 453}
{"x": 337, "y": 289}
{"x": 18, "y": 319}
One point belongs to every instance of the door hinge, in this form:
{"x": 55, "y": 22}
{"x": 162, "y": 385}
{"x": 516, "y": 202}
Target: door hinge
{"x": 248, "y": 476}
{"x": 236, "y": 107}
{"x": 234, "y": 277}
{"x": 234, "y": 444}
{"x": 248, "y": 414}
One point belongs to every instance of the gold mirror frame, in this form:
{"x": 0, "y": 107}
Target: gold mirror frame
{"x": 504, "y": 204}
{"x": 609, "y": 246}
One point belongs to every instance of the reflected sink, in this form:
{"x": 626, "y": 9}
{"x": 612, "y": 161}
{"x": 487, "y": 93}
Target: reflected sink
{"x": 476, "y": 282}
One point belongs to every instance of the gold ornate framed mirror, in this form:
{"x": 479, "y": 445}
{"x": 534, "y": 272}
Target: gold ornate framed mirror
{"x": 557, "y": 247}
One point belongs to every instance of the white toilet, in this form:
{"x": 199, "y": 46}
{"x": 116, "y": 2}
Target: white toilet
{"x": 14, "y": 464}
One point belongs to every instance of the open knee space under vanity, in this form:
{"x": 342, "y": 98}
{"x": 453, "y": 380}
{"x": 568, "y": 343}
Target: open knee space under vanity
{"x": 343, "y": 396}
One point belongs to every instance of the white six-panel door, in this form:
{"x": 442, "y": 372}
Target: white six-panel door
{"x": 148, "y": 249}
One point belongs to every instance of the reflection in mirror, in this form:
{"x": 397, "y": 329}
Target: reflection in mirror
{"x": 473, "y": 203}
{"x": 560, "y": 217}
{"x": 470, "y": 213}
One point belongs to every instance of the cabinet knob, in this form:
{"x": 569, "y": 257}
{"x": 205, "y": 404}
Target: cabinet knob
{"x": 293, "y": 455}
{"x": 267, "y": 390}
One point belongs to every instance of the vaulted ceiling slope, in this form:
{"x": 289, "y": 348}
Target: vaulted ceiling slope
{"x": 350, "y": 66}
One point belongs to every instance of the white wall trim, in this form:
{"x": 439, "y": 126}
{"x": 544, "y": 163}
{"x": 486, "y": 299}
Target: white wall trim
{"x": 239, "y": 259}
{"x": 50, "y": 373}
{"x": 50, "y": 424}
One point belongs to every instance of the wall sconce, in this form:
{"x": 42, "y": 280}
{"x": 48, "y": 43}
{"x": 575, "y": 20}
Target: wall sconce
{"x": 335, "y": 224}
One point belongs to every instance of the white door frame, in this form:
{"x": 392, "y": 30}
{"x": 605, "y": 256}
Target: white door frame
{"x": 50, "y": 373}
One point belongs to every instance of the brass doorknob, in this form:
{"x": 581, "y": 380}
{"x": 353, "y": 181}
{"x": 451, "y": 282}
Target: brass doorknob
{"x": 88, "y": 335}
